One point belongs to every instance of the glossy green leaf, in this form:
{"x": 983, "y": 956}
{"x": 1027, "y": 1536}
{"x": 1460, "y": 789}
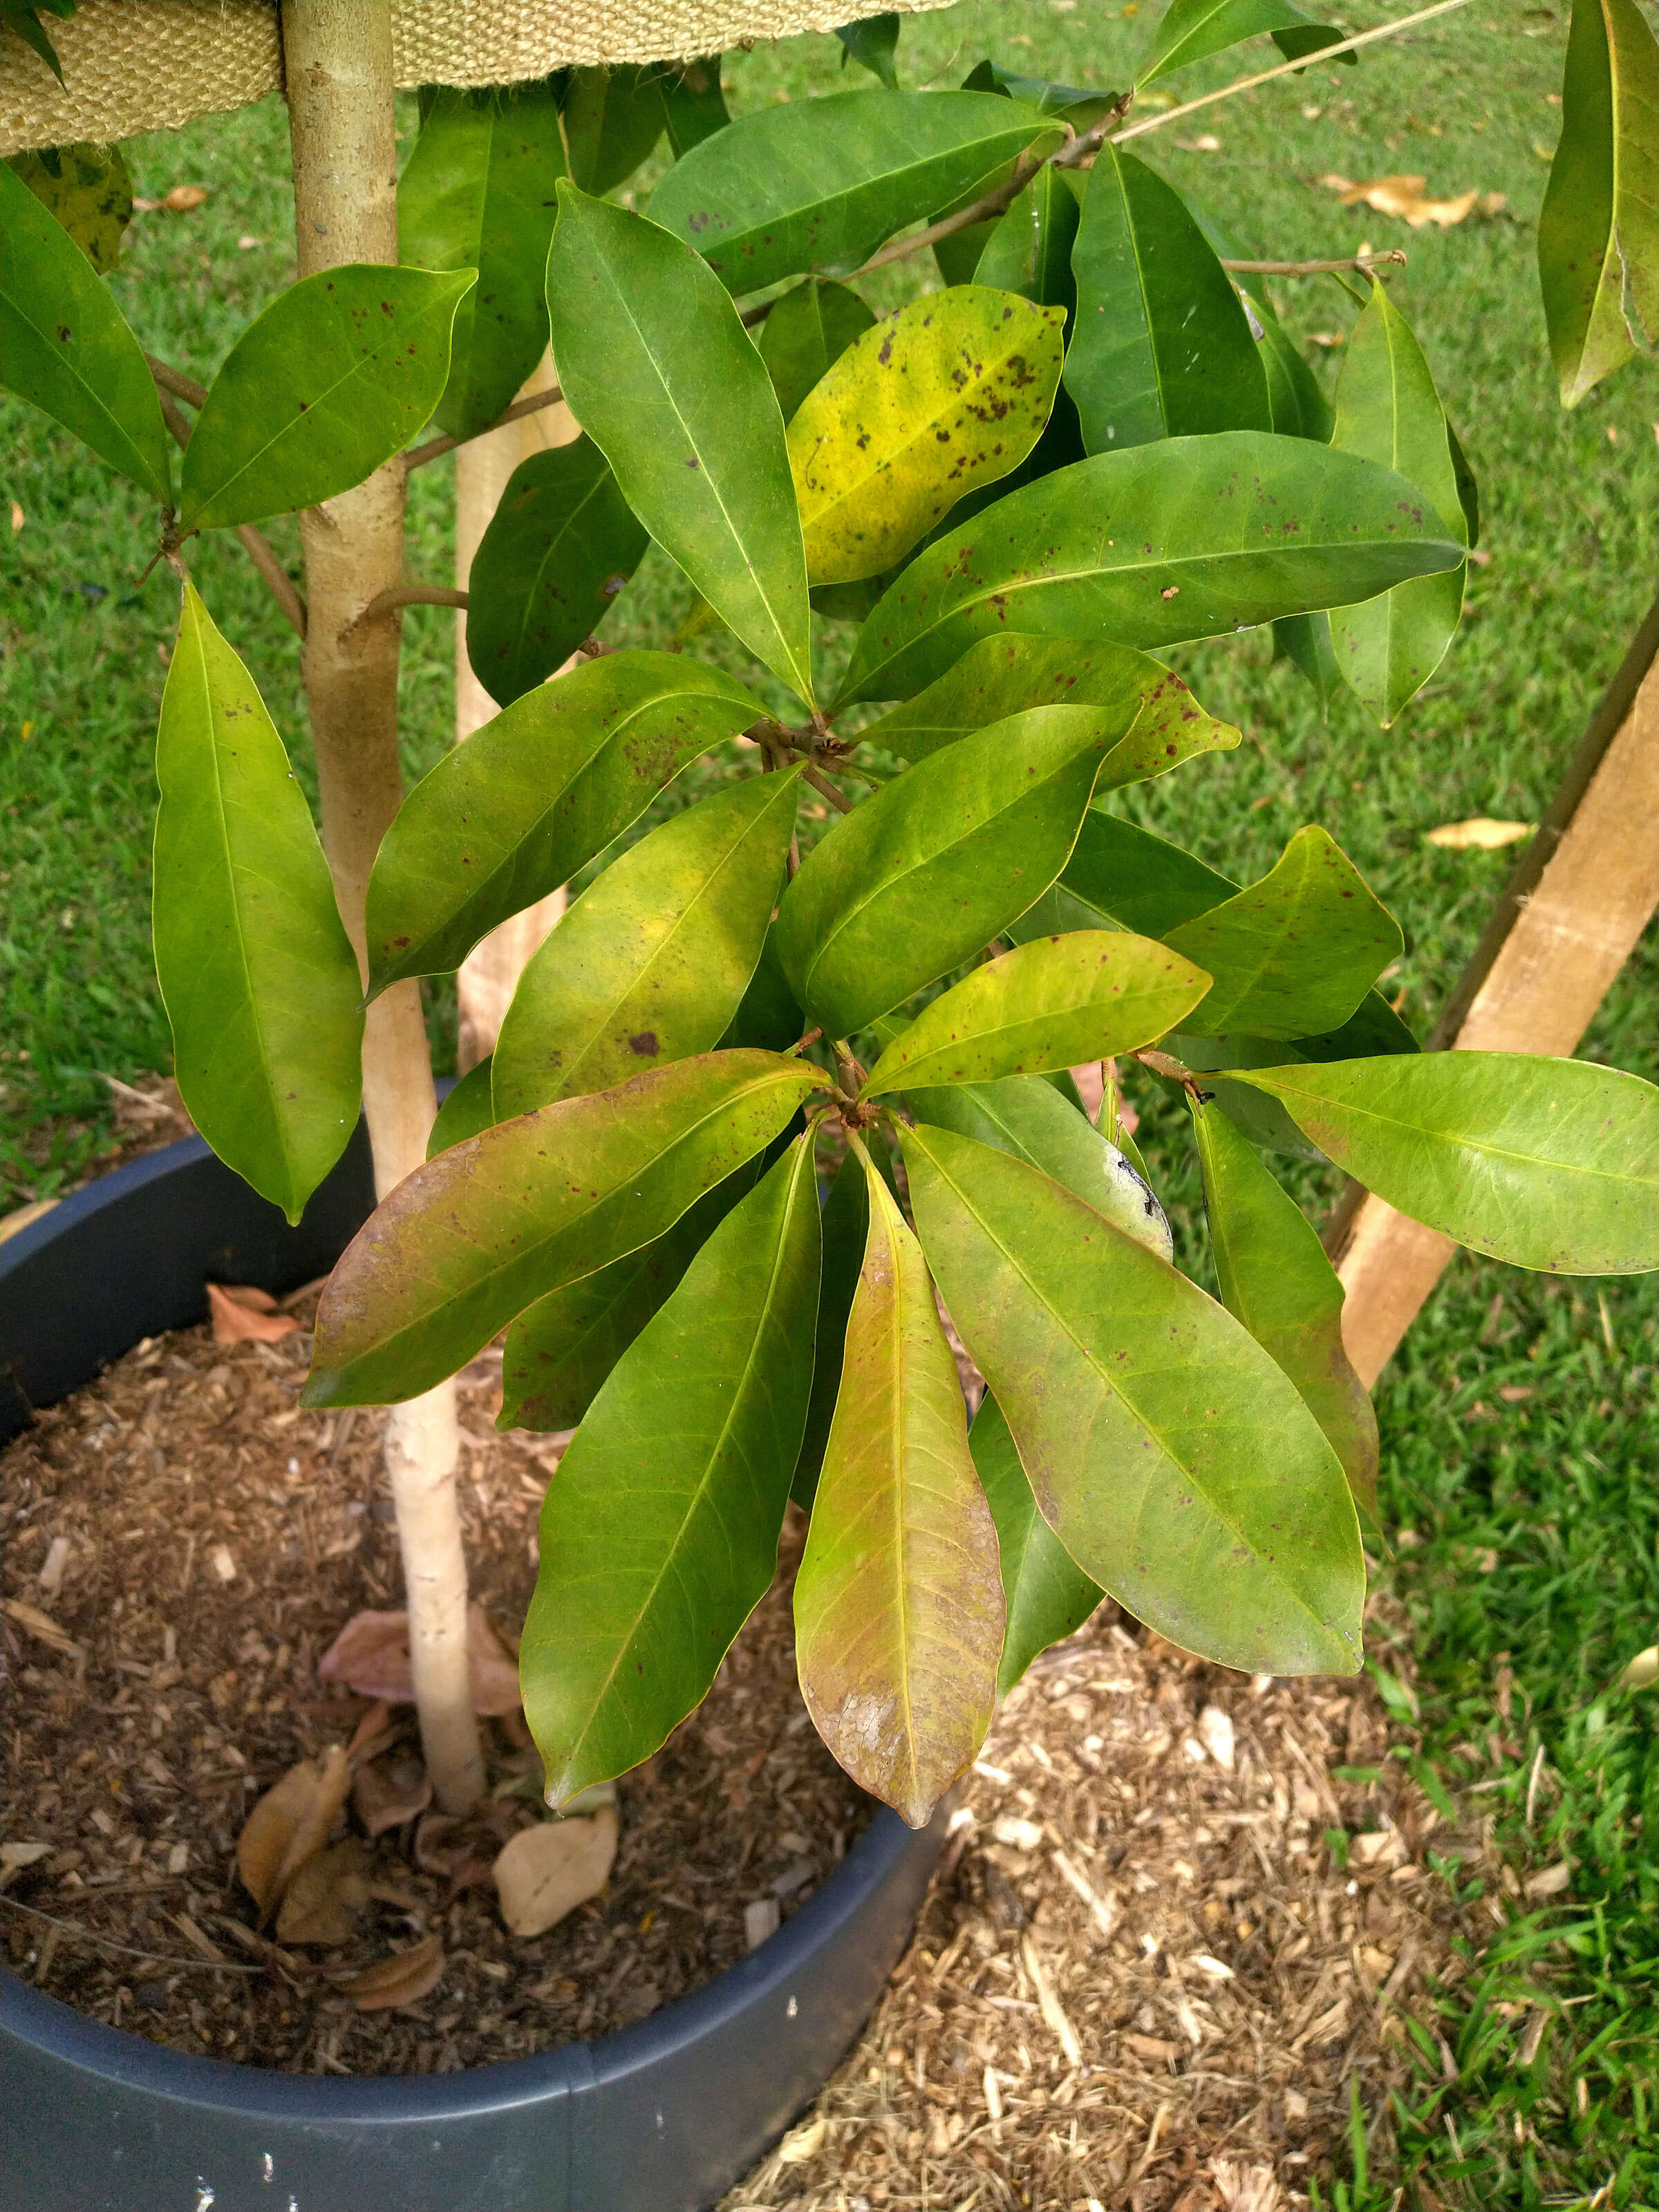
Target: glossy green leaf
{"x": 1388, "y": 410}
{"x": 767, "y": 1019}
{"x": 1275, "y": 1278}
{"x": 651, "y": 962}
{"x": 666, "y": 380}
{"x": 613, "y": 117}
{"x": 1296, "y": 399}
{"x": 1192, "y": 30}
{"x": 1181, "y": 538}
{"x": 87, "y": 189}
{"x": 806, "y": 332}
{"x": 532, "y": 797}
{"x": 1551, "y": 1165}
{"x": 920, "y": 878}
{"x": 1171, "y": 1456}
{"x": 1048, "y": 1595}
{"x": 473, "y": 1238}
{"x": 1142, "y": 882}
{"x": 257, "y": 973}
{"x": 1468, "y": 491}
{"x": 1029, "y": 248}
{"x": 1161, "y": 723}
{"x": 659, "y": 1529}
{"x": 1295, "y": 953}
{"x": 846, "y": 1232}
{"x": 1074, "y": 102}
{"x": 819, "y": 183}
{"x": 1598, "y": 236}
{"x": 1052, "y": 1004}
{"x": 338, "y": 373}
{"x": 1161, "y": 346}
{"x": 65, "y": 348}
{"x": 478, "y": 193}
{"x": 899, "y": 1612}
{"x": 560, "y": 546}
{"x": 873, "y": 43}
{"x": 467, "y": 1112}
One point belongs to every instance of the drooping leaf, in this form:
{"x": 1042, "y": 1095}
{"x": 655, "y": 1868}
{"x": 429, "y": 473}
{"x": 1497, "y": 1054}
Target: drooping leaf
{"x": 1468, "y": 490}
{"x": 1192, "y": 30}
{"x": 23, "y": 16}
{"x": 319, "y": 390}
{"x": 899, "y": 1612}
{"x": 257, "y": 973}
{"x": 613, "y": 117}
{"x": 692, "y": 104}
{"x": 1182, "y": 538}
{"x": 1175, "y": 1462}
{"x": 1551, "y": 1165}
{"x": 1051, "y": 1004}
{"x": 1305, "y": 641}
{"x": 873, "y": 43}
{"x": 1598, "y": 236}
{"x": 651, "y": 962}
{"x": 1296, "y": 400}
{"x": 511, "y": 814}
{"x": 1142, "y": 882}
{"x": 767, "y": 1019}
{"x": 920, "y": 878}
{"x": 1162, "y": 347}
{"x": 467, "y": 1111}
{"x": 1388, "y": 410}
{"x": 846, "y": 1225}
{"x": 65, "y": 348}
{"x": 659, "y": 1529}
{"x": 560, "y": 546}
{"x": 1075, "y": 103}
{"x": 473, "y": 1238}
{"x": 819, "y": 183}
{"x": 1048, "y": 1595}
{"x": 666, "y": 380}
{"x": 89, "y": 189}
{"x": 1275, "y": 1277}
{"x": 806, "y": 332}
{"x": 479, "y": 192}
{"x": 1029, "y": 248}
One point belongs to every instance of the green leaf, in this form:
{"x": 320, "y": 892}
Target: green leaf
{"x": 1029, "y": 248}
{"x": 1551, "y": 1165}
{"x": 65, "y": 348}
{"x": 478, "y": 193}
{"x": 1296, "y": 399}
{"x": 1468, "y": 491}
{"x": 872, "y": 43}
{"x": 336, "y": 374}
{"x": 1295, "y": 953}
{"x": 1162, "y": 347}
{"x": 1161, "y": 723}
{"x": 532, "y": 796}
{"x": 1182, "y": 538}
{"x": 1075, "y": 103}
{"x": 767, "y": 1019}
{"x": 1048, "y": 1595}
{"x": 612, "y": 119}
{"x": 89, "y": 189}
{"x": 666, "y": 380}
{"x": 1598, "y": 236}
{"x": 560, "y": 546}
{"x": 659, "y": 1529}
{"x": 846, "y": 1231}
{"x": 806, "y": 332}
{"x": 1192, "y": 30}
{"x": 651, "y": 962}
{"x": 467, "y": 1112}
{"x": 1305, "y": 640}
{"x": 1388, "y": 410}
{"x": 257, "y": 973}
{"x": 1052, "y": 1004}
{"x": 693, "y": 105}
{"x": 899, "y": 1613}
{"x": 1275, "y": 1277}
{"x": 473, "y": 1238}
{"x": 1169, "y": 1454}
{"x": 819, "y": 183}
{"x": 940, "y": 397}
{"x": 1141, "y": 882}
{"x": 922, "y": 876}
{"x": 24, "y": 18}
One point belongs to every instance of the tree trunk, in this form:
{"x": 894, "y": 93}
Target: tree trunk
{"x": 337, "y": 62}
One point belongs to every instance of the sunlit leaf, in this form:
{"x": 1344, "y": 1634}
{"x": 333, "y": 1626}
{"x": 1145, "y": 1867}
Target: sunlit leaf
{"x": 1048, "y": 1595}
{"x": 808, "y": 330}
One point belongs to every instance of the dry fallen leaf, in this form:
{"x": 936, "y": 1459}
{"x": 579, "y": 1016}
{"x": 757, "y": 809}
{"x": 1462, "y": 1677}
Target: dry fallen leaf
{"x": 1246, "y": 2188}
{"x": 1642, "y": 1671}
{"x": 324, "y": 1895}
{"x": 1480, "y": 834}
{"x": 1551, "y": 1882}
{"x": 804, "y": 2143}
{"x": 1215, "y": 1733}
{"x": 243, "y": 1314}
{"x": 370, "y": 1655}
{"x": 389, "y": 1791}
{"x": 1404, "y": 197}
{"x": 289, "y": 1823}
{"x": 546, "y": 1871}
{"x": 403, "y": 1979}
{"x": 18, "y": 518}
{"x": 14, "y": 1857}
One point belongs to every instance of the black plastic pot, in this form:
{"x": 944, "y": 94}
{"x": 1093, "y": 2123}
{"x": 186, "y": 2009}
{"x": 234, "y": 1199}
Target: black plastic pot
{"x": 663, "y": 2117}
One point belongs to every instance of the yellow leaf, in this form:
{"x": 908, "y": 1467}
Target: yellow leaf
{"x": 1480, "y": 834}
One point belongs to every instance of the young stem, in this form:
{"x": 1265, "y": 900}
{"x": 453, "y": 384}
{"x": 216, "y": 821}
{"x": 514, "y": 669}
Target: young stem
{"x": 337, "y": 62}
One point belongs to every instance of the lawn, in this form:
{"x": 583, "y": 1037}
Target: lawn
{"x": 1525, "y": 1559}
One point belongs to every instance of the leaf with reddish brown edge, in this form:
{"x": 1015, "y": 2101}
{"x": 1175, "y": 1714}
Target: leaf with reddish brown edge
{"x": 474, "y": 1236}
{"x": 899, "y": 1613}
{"x": 371, "y": 1656}
{"x": 390, "y": 1791}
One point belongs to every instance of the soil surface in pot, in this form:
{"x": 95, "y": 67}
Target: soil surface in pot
{"x": 182, "y": 1542}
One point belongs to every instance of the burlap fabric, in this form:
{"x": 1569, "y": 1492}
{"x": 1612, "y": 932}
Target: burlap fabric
{"x": 132, "y": 66}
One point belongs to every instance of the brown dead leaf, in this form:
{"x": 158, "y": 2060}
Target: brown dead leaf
{"x": 290, "y": 1823}
{"x": 244, "y": 1313}
{"x": 546, "y": 1871}
{"x": 435, "y": 1842}
{"x": 403, "y": 1979}
{"x": 1551, "y": 1882}
{"x": 370, "y": 1655}
{"x": 181, "y": 200}
{"x": 1479, "y": 833}
{"x": 324, "y": 1895}
{"x": 374, "y": 1722}
{"x": 1406, "y": 199}
{"x": 389, "y": 1791}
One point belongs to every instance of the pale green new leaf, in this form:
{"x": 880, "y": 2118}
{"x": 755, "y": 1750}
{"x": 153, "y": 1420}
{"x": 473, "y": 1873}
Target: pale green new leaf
{"x": 805, "y": 333}
{"x": 1048, "y": 1595}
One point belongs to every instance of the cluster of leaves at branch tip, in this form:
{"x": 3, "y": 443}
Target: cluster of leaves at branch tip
{"x": 1095, "y": 441}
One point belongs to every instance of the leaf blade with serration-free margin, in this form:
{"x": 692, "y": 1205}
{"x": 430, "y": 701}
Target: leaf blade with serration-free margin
{"x": 1048, "y": 1595}
{"x": 805, "y": 333}
{"x": 899, "y": 1613}
{"x": 258, "y": 976}
{"x": 467, "y": 1112}
{"x": 659, "y": 1528}
{"x": 1170, "y": 1456}
{"x": 845, "y": 1224}
{"x": 87, "y": 189}
{"x": 1551, "y": 1164}
{"x": 1192, "y": 30}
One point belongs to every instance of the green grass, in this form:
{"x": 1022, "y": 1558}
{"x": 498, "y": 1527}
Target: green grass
{"x": 1535, "y": 1520}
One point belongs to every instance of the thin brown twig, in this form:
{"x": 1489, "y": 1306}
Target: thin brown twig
{"x": 1366, "y": 261}
{"x": 173, "y": 381}
{"x": 826, "y": 789}
{"x": 155, "y": 1958}
{"x": 409, "y": 595}
{"x": 418, "y": 456}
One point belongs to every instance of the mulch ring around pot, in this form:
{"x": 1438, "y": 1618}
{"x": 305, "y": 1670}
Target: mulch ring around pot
{"x": 182, "y": 1543}
{"x": 1175, "y": 1921}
